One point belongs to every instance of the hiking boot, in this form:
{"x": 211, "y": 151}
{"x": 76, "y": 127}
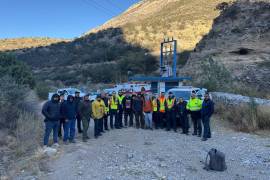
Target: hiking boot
{"x": 65, "y": 142}
{"x": 204, "y": 139}
{"x": 72, "y": 141}
{"x": 194, "y": 134}
{"x": 84, "y": 140}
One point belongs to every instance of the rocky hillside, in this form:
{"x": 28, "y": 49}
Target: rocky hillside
{"x": 239, "y": 46}
{"x": 126, "y": 43}
{"x": 22, "y": 43}
{"x": 149, "y": 21}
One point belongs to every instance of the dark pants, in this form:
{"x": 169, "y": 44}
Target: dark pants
{"x": 105, "y": 121}
{"x": 61, "y": 126}
{"x": 184, "y": 123}
{"x": 69, "y": 130}
{"x": 49, "y": 127}
{"x": 113, "y": 115}
{"x": 171, "y": 120}
{"x": 161, "y": 120}
{"x": 97, "y": 127}
{"x": 128, "y": 113}
{"x": 79, "y": 123}
{"x": 120, "y": 117}
{"x": 197, "y": 124}
{"x": 85, "y": 125}
{"x": 100, "y": 125}
{"x": 206, "y": 127}
{"x": 155, "y": 118}
{"x": 139, "y": 120}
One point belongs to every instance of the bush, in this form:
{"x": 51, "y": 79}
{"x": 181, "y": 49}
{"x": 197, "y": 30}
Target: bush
{"x": 42, "y": 90}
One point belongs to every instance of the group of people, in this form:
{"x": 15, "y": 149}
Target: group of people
{"x": 118, "y": 110}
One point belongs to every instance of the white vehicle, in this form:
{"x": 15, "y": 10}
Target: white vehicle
{"x": 185, "y": 92}
{"x": 129, "y": 87}
{"x": 66, "y": 91}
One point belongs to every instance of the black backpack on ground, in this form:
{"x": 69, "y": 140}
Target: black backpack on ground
{"x": 216, "y": 161}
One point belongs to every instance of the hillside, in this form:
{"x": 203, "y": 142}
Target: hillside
{"x": 22, "y": 43}
{"x": 239, "y": 45}
{"x": 126, "y": 42}
{"x": 149, "y": 21}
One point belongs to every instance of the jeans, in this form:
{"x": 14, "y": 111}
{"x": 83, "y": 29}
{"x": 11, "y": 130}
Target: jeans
{"x": 113, "y": 114}
{"x": 69, "y": 130}
{"x": 148, "y": 120}
{"x": 206, "y": 127}
{"x": 49, "y": 126}
{"x": 85, "y": 123}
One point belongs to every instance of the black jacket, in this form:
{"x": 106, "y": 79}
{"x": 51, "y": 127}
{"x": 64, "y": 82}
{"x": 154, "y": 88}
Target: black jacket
{"x": 77, "y": 101}
{"x": 69, "y": 108}
{"x": 52, "y": 110}
{"x": 207, "y": 108}
{"x": 85, "y": 109}
{"x": 181, "y": 108}
{"x": 127, "y": 103}
{"x": 137, "y": 104}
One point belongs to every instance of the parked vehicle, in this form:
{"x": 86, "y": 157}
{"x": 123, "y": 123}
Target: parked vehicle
{"x": 66, "y": 91}
{"x": 129, "y": 87}
{"x": 185, "y": 92}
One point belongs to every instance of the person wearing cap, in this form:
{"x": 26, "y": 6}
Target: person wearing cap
{"x": 207, "y": 112}
{"x": 113, "y": 109}
{"x": 194, "y": 107}
{"x": 52, "y": 112}
{"x": 62, "y": 119}
{"x": 98, "y": 112}
{"x": 182, "y": 113}
{"x": 77, "y": 100}
{"x": 69, "y": 111}
{"x": 162, "y": 111}
{"x": 85, "y": 110}
{"x": 127, "y": 106}
{"x": 170, "y": 112}
{"x": 120, "y": 97}
{"x": 105, "y": 98}
{"x": 137, "y": 107}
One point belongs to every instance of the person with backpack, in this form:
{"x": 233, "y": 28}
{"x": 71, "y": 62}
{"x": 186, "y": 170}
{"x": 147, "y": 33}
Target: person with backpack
{"x": 206, "y": 113}
{"x": 52, "y": 112}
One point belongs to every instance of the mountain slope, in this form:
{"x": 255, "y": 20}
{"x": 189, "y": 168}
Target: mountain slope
{"x": 239, "y": 41}
{"x": 126, "y": 43}
{"x": 21, "y": 43}
{"x": 148, "y": 22}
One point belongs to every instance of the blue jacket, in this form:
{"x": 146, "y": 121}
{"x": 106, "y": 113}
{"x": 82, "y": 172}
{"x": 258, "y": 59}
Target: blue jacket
{"x": 68, "y": 108}
{"x": 207, "y": 108}
{"x": 137, "y": 105}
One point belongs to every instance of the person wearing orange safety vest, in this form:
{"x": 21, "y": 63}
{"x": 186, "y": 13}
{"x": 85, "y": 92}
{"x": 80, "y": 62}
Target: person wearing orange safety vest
{"x": 155, "y": 111}
{"x": 113, "y": 109}
{"x": 171, "y": 112}
{"x": 161, "y": 111}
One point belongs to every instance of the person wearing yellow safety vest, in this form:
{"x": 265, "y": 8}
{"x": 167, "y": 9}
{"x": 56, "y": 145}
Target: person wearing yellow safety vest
{"x": 155, "y": 111}
{"x": 127, "y": 106}
{"x": 98, "y": 111}
{"x": 194, "y": 106}
{"x": 162, "y": 111}
{"x": 105, "y": 99}
{"x": 113, "y": 109}
{"x": 120, "y": 108}
{"x": 171, "y": 112}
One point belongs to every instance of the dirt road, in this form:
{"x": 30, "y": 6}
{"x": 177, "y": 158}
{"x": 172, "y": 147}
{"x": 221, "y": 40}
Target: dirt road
{"x": 144, "y": 154}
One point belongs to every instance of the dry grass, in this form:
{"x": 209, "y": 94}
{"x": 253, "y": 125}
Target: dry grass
{"x": 245, "y": 117}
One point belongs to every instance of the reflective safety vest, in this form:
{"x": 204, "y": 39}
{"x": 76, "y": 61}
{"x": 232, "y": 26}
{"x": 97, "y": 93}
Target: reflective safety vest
{"x": 194, "y": 104}
{"x": 162, "y": 104}
{"x": 120, "y": 99}
{"x": 154, "y": 104}
{"x": 113, "y": 104}
{"x": 170, "y": 103}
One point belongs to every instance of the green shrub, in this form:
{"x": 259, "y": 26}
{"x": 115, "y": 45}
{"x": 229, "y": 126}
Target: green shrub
{"x": 42, "y": 90}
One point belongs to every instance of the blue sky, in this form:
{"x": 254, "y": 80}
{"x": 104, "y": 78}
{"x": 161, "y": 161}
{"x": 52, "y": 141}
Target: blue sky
{"x": 56, "y": 18}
